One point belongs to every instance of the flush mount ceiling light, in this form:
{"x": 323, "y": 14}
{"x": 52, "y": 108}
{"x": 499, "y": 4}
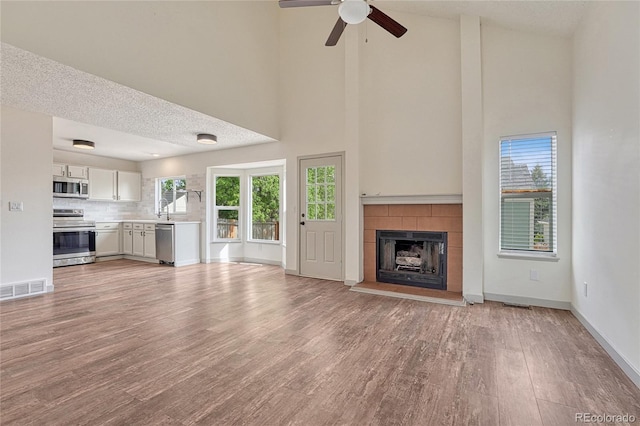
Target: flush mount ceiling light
{"x": 207, "y": 139}
{"x": 353, "y": 11}
{"x": 82, "y": 144}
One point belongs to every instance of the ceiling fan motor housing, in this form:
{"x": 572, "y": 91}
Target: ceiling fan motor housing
{"x": 353, "y": 11}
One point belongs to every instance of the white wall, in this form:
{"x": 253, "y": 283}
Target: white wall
{"x": 80, "y": 159}
{"x": 526, "y": 89}
{"x": 411, "y": 137}
{"x": 606, "y": 177}
{"x": 216, "y": 57}
{"x": 26, "y": 145}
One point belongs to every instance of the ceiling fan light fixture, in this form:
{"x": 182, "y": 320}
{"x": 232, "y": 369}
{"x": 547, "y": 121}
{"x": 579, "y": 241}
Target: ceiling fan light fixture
{"x": 207, "y": 139}
{"x": 82, "y": 144}
{"x": 353, "y": 11}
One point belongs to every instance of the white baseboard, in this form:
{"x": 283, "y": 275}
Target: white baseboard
{"x": 290, "y": 272}
{"x": 350, "y": 283}
{"x": 543, "y": 303}
{"x": 141, "y": 259}
{"x": 473, "y": 298}
{"x": 622, "y": 362}
{"x": 107, "y": 258}
{"x": 262, "y": 261}
{"x": 186, "y": 262}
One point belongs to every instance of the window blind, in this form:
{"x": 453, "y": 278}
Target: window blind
{"x": 528, "y": 193}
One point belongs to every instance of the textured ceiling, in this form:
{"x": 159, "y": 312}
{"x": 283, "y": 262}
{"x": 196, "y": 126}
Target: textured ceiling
{"x": 130, "y": 124}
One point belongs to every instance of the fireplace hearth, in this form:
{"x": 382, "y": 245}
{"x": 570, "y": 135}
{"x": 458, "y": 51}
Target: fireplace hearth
{"x": 414, "y": 258}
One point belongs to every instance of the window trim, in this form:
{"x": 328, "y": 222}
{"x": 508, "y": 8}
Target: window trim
{"x": 158, "y": 196}
{"x": 250, "y": 177}
{"x": 551, "y": 255}
{"x": 217, "y": 208}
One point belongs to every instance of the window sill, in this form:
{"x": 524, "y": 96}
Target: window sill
{"x": 545, "y": 257}
{"x": 226, "y": 241}
{"x": 272, "y": 242}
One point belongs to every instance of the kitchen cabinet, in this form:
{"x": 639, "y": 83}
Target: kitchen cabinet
{"x": 114, "y": 185}
{"x": 129, "y": 186}
{"x": 107, "y": 239}
{"x": 65, "y": 170}
{"x": 143, "y": 242}
{"x": 127, "y": 238}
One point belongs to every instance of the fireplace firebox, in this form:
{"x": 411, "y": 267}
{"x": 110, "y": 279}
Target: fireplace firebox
{"x": 415, "y": 258}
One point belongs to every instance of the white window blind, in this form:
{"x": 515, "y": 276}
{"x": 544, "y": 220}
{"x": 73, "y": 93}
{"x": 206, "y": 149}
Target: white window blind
{"x": 528, "y": 193}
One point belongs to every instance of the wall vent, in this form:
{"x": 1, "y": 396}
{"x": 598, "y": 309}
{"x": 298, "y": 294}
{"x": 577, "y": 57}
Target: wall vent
{"x": 28, "y": 288}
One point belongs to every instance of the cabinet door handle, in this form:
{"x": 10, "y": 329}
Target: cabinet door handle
{"x": 129, "y": 232}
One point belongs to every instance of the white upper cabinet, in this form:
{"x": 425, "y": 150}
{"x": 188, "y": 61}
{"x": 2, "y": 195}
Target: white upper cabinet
{"x": 102, "y": 184}
{"x": 60, "y": 170}
{"x": 64, "y": 170}
{"x": 80, "y": 172}
{"x": 113, "y": 185}
{"x": 129, "y": 186}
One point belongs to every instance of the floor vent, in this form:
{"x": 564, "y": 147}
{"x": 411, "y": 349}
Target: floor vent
{"x": 29, "y": 288}
{"x": 515, "y": 305}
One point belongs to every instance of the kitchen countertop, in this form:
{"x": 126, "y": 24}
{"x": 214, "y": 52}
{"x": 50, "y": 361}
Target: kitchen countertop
{"x": 166, "y": 222}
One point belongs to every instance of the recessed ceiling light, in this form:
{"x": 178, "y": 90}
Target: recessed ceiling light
{"x": 82, "y": 144}
{"x": 207, "y": 139}
{"x": 155, "y": 155}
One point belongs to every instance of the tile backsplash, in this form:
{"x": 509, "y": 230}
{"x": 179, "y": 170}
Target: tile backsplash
{"x": 101, "y": 211}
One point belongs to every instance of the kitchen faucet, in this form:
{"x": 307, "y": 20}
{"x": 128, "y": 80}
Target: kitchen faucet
{"x": 166, "y": 206}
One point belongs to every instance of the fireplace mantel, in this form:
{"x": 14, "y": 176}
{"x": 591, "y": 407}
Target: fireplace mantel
{"x": 366, "y": 199}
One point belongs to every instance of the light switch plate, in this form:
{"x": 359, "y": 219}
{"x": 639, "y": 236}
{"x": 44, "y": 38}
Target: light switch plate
{"x": 16, "y": 206}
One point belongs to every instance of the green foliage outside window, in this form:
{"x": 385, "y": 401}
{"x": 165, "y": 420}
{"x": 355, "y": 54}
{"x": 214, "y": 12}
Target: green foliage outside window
{"x": 228, "y": 195}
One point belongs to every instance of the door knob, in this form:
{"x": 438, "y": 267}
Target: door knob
{"x": 302, "y": 223}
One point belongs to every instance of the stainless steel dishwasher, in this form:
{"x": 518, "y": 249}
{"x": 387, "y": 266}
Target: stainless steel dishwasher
{"x": 165, "y": 242}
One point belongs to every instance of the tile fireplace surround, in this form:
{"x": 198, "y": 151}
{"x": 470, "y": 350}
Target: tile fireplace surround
{"x": 415, "y": 217}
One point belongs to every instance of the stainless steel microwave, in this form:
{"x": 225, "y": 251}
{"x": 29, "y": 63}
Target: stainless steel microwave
{"x": 70, "y": 188}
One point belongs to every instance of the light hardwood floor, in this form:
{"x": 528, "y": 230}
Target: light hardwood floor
{"x": 129, "y": 343}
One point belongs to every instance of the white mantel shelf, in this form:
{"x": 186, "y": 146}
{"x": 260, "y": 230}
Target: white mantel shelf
{"x": 411, "y": 199}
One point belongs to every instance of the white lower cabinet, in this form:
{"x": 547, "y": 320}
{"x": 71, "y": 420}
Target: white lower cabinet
{"x": 127, "y": 238}
{"x": 143, "y": 240}
{"x": 107, "y": 239}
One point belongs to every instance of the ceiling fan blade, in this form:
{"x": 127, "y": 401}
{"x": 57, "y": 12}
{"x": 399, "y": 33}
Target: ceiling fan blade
{"x": 304, "y": 3}
{"x": 336, "y": 32}
{"x": 386, "y": 22}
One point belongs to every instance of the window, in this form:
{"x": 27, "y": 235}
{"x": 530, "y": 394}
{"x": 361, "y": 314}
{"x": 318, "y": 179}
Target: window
{"x": 321, "y": 193}
{"x": 171, "y": 195}
{"x": 528, "y": 193}
{"x": 265, "y": 207}
{"x": 227, "y": 207}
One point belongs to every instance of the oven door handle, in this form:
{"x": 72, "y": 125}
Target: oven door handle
{"x": 91, "y": 229}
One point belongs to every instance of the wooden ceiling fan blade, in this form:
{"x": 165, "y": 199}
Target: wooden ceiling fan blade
{"x": 386, "y": 22}
{"x": 305, "y": 3}
{"x": 336, "y": 32}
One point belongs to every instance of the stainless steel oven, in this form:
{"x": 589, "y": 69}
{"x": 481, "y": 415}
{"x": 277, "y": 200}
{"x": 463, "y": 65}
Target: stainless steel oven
{"x": 74, "y": 239}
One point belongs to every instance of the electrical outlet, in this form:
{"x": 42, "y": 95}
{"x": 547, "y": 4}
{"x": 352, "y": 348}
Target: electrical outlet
{"x": 533, "y": 275}
{"x": 584, "y": 287}
{"x": 15, "y": 206}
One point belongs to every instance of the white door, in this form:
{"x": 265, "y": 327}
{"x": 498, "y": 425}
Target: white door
{"x": 321, "y": 217}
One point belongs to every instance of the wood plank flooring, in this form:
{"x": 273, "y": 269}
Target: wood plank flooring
{"x": 129, "y": 343}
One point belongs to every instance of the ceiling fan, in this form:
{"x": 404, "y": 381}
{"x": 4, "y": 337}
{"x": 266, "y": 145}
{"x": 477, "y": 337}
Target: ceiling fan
{"x": 350, "y": 12}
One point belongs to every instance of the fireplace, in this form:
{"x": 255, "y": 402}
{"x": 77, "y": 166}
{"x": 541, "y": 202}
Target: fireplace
{"x": 415, "y": 258}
